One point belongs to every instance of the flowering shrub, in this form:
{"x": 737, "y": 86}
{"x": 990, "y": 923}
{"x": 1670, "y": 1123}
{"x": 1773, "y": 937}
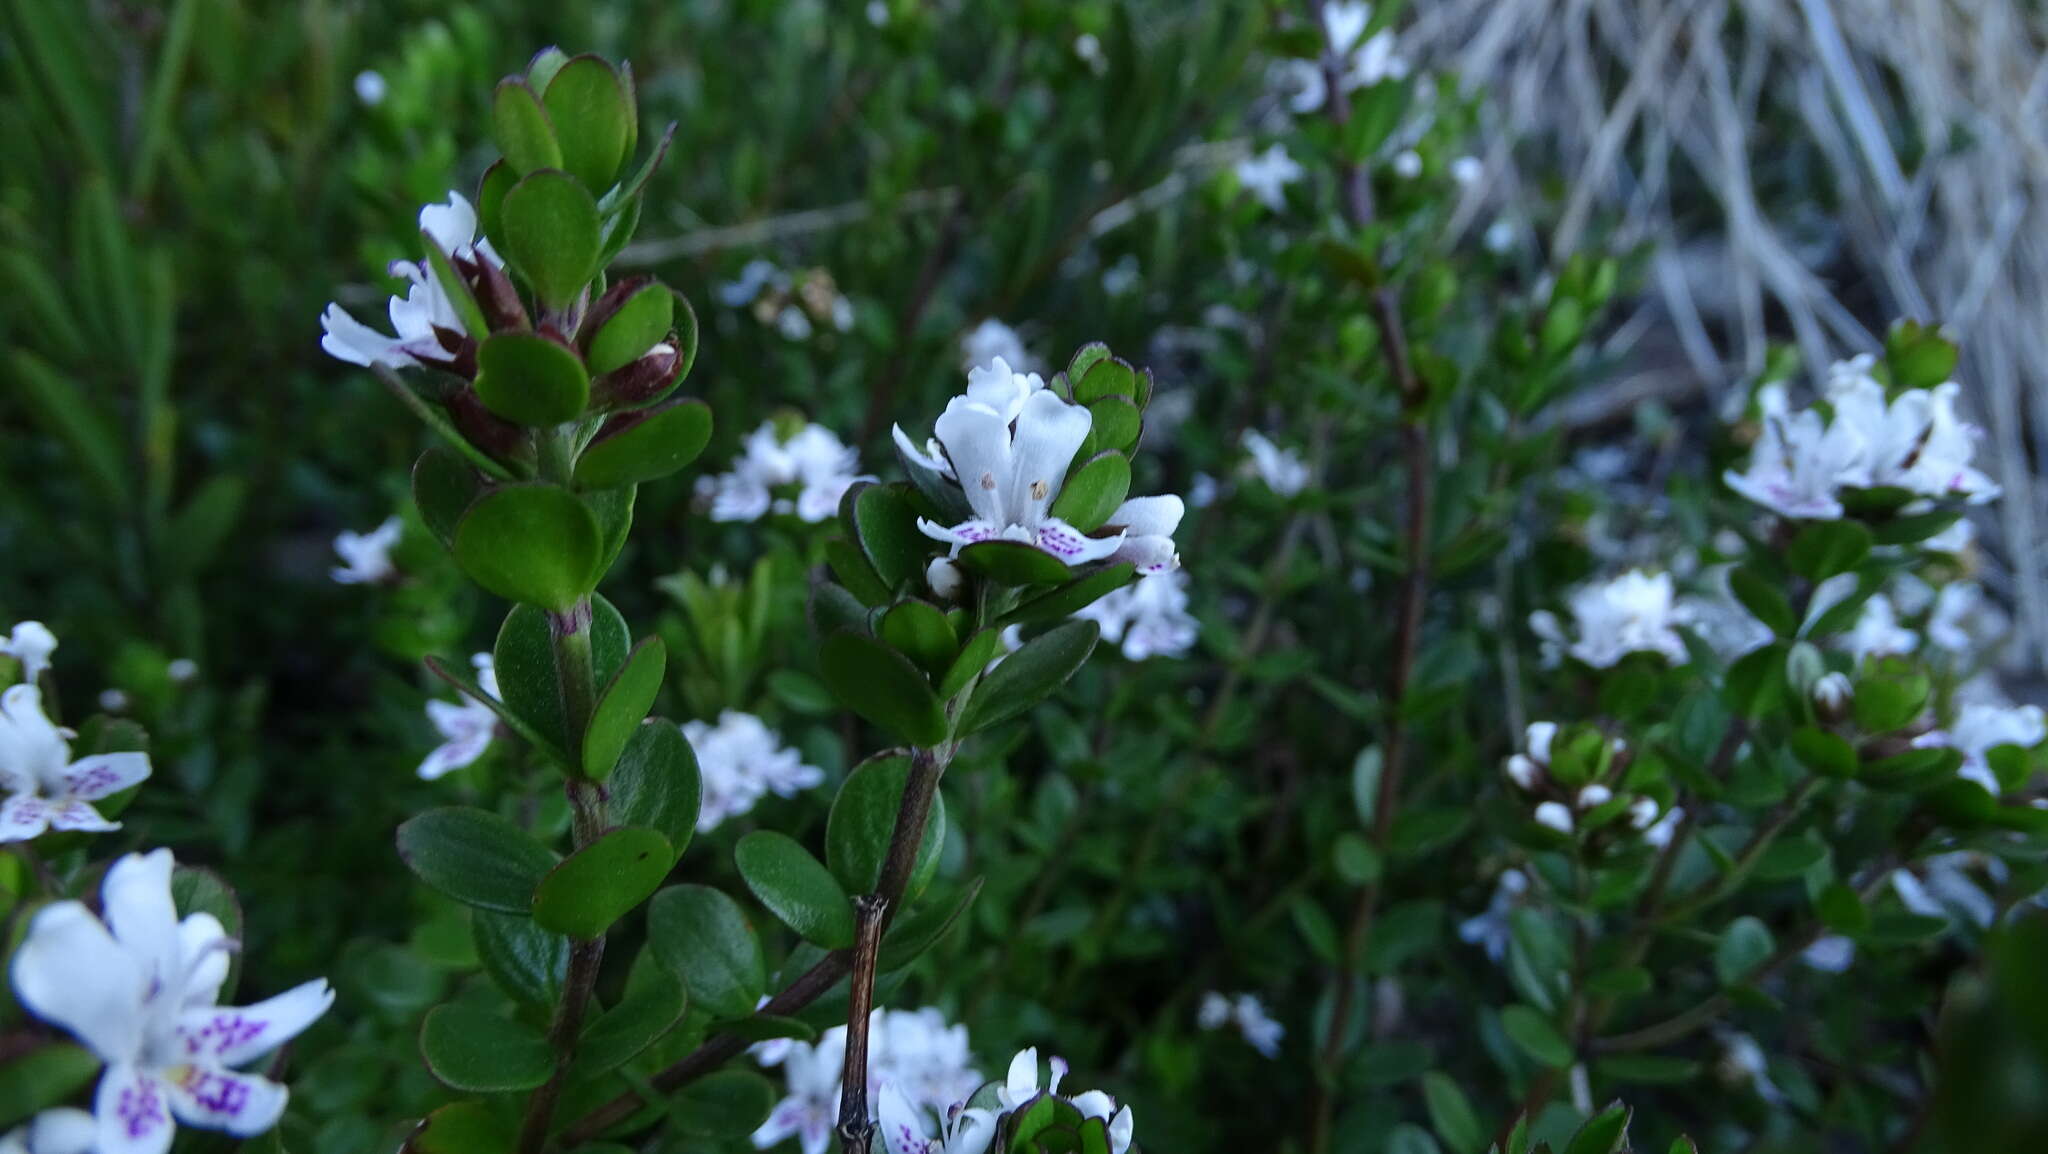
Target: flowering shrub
{"x": 1078, "y": 633}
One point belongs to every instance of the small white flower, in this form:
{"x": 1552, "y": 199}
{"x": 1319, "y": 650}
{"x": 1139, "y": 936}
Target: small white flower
{"x": 370, "y": 88}
{"x": 60, "y": 1131}
{"x": 1120, "y": 277}
{"x": 1964, "y": 621}
{"x": 990, "y": 340}
{"x": 1555, "y": 815}
{"x": 1500, "y": 236}
{"x": 1634, "y": 613}
{"x": 140, "y": 990}
{"x": 366, "y": 557}
{"x": 1248, "y": 1014}
{"x": 755, "y": 276}
{"x": 1833, "y": 692}
{"x": 1468, "y": 170}
{"x": 741, "y": 760}
{"x": 1981, "y": 727}
{"x": 906, "y": 1130}
{"x": 1954, "y": 540}
{"x": 31, "y": 643}
{"x": 945, "y": 578}
{"x": 467, "y": 727}
{"x": 813, "y": 461}
{"x": 1742, "y": 1063}
{"x": 1011, "y": 474}
{"x": 1359, "y": 64}
{"x": 45, "y": 789}
{"x": 1491, "y": 929}
{"x": 1282, "y": 470}
{"x": 793, "y": 324}
{"x": 1659, "y": 833}
{"x": 913, "y": 1055}
{"x": 1149, "y": 616}
{"x": 1642, "y": 813}
{"x": 425, "y": 311}
{"x": 1797, "y": 462}
{"x": 1203, "y": 490}
{"x": 113, "y": 700}
{"x": 1944, "y": 888}
{"x": 1529, "y": 766}
{"x": 1407, "y": 164}
{"x": 1266, "y": 176}
{"x": 1830, "y": 954}
{"x": 1878, "y": 632}
{"x": 1089, "y": 49}
{"x": 181, "y": 670}
{"x": 1594, "y": 795}
{"x": 809, "y": 1110}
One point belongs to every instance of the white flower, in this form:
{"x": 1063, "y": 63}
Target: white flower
{"x": 113, "y": 700}
{"x": 1658, "y": 834}
{"x": 1020, "y": 1086}
{"x": 990, "y": 340}
{"x": 915, "y": 1054}
{"x": 60, "y": 1131}
{"x": 755, "y": 275}
{"x": 1721, "y": 621}
{"x": 810, "y": 1109}
{"x": 1147, "y": 525}
{"x": 1359, "y": 64}
{"x": 1634, "y": 613}
{"x": 181, "y": 670}
{"x": 46, "y": 789}
{"x": 945, "y": 578}
{"x": 1964, "y": 621}
{"x": 1248, "y": 1014}
{"x": 1830, "y": 954}
{"x": 1797, "y": 462}
{"x": 1149, "y": 616}
{"x": 1408, "y": 164}
{"x": 1491, "y": 929}
{"x": 1267, "y": 175}
{"x": 1531, "y": 764}
{"x": 878, "y": 13}
{"x": 1832, "y": 693}
{"x": 1555, "y": 815}
{"x": 1468, "y": 170}
{"x": 467, "y": 727}
{"x": 1089, "y": 49}
{"x": 1878, "y": 632}
{"x": 793, "y": 324}
{"x": 1742, "y": 1063}
{"x": 1282, "y": 470}
{"x": 905, "y": 1130}
{"x": 31, "y": 643}
{"x": 141, "y": 991}
{"x": 370, "y": 88}
{"x": 1594, "y": 795}
{"x": 1011, "y": 474}
{"x": 366, "y": 557}
{"x": 1203, "y": 490}
{"x": 1955, "y": 539}
{"x": 1981, "y": 727}
{"x": 425, "y": 311}
{"x": 1944, "y": 888}
{"x": 741, "y": 760}
{"x": 813, "y": 460}
{"x": 1500, "y": 236}
{"x": 1122, "y": 276}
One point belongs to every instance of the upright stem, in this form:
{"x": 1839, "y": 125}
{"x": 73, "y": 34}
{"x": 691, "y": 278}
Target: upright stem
{"x": 856, "y": 1132}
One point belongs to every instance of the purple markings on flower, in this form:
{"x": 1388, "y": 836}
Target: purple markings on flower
{"x": 226, "y": 1032}
{"x": 140, "y": 1108}
{"x": 224, "y": 1096}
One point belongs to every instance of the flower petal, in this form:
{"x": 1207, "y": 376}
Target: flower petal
{"x": 133, "y": 1111}
{"x": 92, "y": 778}
{"x": 71, "y": 972}
{"x": 60, "y": 1131}
{"x": 136, "y": 900}
{"x": 241, "y": 1104}
{"x": 232, "y": 1036}
{"x": 23, "y": 816}
{"x": 1049, "y": 433}
{"x": 1022, "y": 1081}
{"x": 207, "y": 950}
{"x": 79, "y": 817}
{"x": 1073, "y": 546}
{"x": 902, "y": 1124}
{"x": 345, "y": 338}
{"x": 977, "y": 441}
{"x": 1149, "y": 516}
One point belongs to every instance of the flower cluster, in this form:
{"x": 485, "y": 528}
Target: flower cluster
{"x": 1637, "y": 612}
{"x": 1362, "y": 60}
{"x": 915, "y": 1053}
{"x": 966, "y": 1129}
{"x": 1802, "y": 464}
{"x": 1574, "y": 774}
{"x": 804, "y": 471}
{"x": 740, "y": 760}
{"x": 44, "y": 787}
{"x": 141, "y": 990}
{"x": 1979, "y": 728}
{"x": 1248, "y": 1014}
{"x": 794, "y": 306}
{"x": 1149, "y": 617}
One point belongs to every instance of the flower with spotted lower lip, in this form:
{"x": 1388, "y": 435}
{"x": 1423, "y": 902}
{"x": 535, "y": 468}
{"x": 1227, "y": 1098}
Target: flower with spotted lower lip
{"x": 1012, "y": 475}
{"x": 45, "y": 789}
{"x": 141, "y": 991}
{"x": 425, "y": 319}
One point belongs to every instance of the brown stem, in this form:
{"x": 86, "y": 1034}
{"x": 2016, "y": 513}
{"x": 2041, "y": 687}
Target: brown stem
{"x": 926, "y": 767}
{"x": 856, "y": 1130}
{"x": 584, "y": 958}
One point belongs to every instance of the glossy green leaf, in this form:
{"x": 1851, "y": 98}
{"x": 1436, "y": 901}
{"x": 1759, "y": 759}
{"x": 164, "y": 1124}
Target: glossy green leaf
{"x": 639, "y": 323}
{"x": 497, "y": 180}
{"x": 592, "y": 117}
{"x": 703, "y": 937}
{"x": 1744, "y": 946}
{"x": 526, "y": 960}
{"x": 1093, "y": 490}
{"x": 656, "y": 783}
{"x": 443, "y": 486}
{"x": 551, "y": 235}
{"x": 975, "y": 654}
{"x": 1825, "y": 548}
{"x": 646, "y": 445}
{"x": 1105, "y": 377}
{"x": 856, "y": 573}
{"x": 1603, "y": 1133}
{"x": 648, "y": 1011}
{"x": 920, "y": 631}
{"x": 534, "y": 543}
{"x": 883, "y": 686}
{"x": 1014, "y": 563}
{"x": 796, "y": 888}
{"x": 475, "y": 857}
{"x": 1765, "y": 601}
{"x": 463, "y": 1128}
{"x": 483, "y": 1053}
{"x": 602, "y": 882}
{"x": 530, "y": 380}
{"x": 1065, "y": 600}
{"x": 1116, "y": 425}
{"x": 863, "y": 820}
{"x": 1823, "y": 752}
{"x": 520, "y": 128}
{"x": 524, "y": 663}
{"x": 1535, "y": 1036}
{"x": 622, "y": 705}
{"x": 730, "y": 1103}
{"x": 1451, "y": 1115}
{"x": 888, "y": 531}
{"x": 1029, "y": 675}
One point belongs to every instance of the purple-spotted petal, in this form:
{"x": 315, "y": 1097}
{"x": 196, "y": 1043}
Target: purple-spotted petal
{"x": 23, "y": 816}
{"x": 232, "y": 1036}
{"x": 965, "y": 533}
{"x": 243, "y": 1105}
{"x": 134, "y": 1112}
{"x": 92, "y": 778}
{"x": 902, "y": 1124}
{"x": 71, "y": 973}
{"x": 79, "y": 817}
{"x": 1073, "y": 546}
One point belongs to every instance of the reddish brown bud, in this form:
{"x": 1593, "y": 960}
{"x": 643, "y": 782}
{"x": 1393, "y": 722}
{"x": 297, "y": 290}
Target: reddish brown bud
{"x": 498, "y": 298}
{"x": 639, "y": 382}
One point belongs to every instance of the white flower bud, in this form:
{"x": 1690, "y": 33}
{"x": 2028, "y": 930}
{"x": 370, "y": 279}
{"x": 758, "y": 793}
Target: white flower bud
{"x": 1408, "y": 165}
{"x": 1537, "y": 738}
{"x": 1554, "y": 815}
{"x": 944, "y": 576}
{"x": 1595, "y": 794}
{"x": 1525, "y": 773}
{"x": 1831, "y": 693}
{"x": 181, "y": 670}
{"x": 1642, "y": 812}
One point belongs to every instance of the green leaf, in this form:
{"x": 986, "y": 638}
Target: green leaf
{"x": 863, "y": 820}
{"x": 530, "y": 380}
{"x": 1603, "y": 1133}
{"x": 475, "y": 1050}
{"x": 1116, "y": 425}
{"x": 497, "y": 180}
{"x": 1085, "y": 359}
{"x": 41, "y": 1078}
{"x": 656, "y": 783}
{"x": 475, "y": 857}
{"x": 1647, "y": 1069}
{"x": 622, "y": 706}
{"x": 887, "y": 526}
{"x": 645, "y": 446}
{"x": 883, "y": 686}
{"x": 796, "y": 888}
{"x": 524, "y": 661}
{"x": 602, "y": 882}
{"x": 910, "y": 936}
{"x": 920, "y": 631}
{"x": 1451, "y": 1114}
{"x": 1763, "y": 599}
{"x": 975, "y": 654}
{"x": 1823, "y": 752}
{"x": 702, "y": 936}
{"x": 533, "y": 543}
{"x": 856, "y": 573}
{"x": 461, "y": 1128}
{"x": 767, "y": 1027}
{"x": 202, "y": 526}
{"x": 638, "y": 324}
{"x": 1064, "y": 601}
{"x": 443, "y": 485}
{"x": 520, "y": 128}
{"x": 1104, "y": 377}
{"x": 1743, "y": 946}
{"x": 649, "y": 1010}
{"x": 69, "y": 416}
{"x": 1093, "y": 491}
{"x": 592, "y": 118}
{"x": 730, "y": 1103}
{"x": 1014, "y": 563}
{"x": 1535, "y": 1036}
{"x": 1623, "y": 982}
{"x": 1885, "y": 702}
{"x": 1825, "y": 548}
{"x": 526, "y": 961}
{"x": 1408, "y": 1138}
{"x": 551, "y": 235}
{"x": 1029, "y": 675}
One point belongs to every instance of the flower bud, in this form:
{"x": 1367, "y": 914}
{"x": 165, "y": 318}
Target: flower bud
{"x": 1642, "y": 812}
{"x": 1831, "y": 695}
{"x": 638, "y": 382}
{"x": 1554, "y": 815}
{"x": 496, "y": 296}
{"x": 1523, "y": 771}
{"x": 1593, "y": 795}
{"x": 944, "y": 576}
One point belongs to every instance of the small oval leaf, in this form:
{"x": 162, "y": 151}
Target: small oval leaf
{"x": 475, "y": 857}
{"x": 796, "y": 888}
{"x": 600, "y": 883}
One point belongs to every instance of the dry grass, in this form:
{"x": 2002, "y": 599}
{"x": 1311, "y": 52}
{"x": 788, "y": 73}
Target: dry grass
{"x": 1801, "y": 169}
